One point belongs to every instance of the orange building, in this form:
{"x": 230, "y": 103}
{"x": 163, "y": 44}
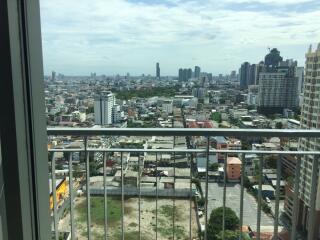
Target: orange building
{"x": 233, "y": 169}
{"x": 61, "y": 189}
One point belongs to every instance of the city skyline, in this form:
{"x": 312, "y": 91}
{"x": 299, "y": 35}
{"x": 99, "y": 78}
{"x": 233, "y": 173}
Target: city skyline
{"x": 114, "y": 37}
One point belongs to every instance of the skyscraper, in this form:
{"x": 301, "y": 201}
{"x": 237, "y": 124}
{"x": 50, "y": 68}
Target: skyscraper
{"x": 253, "y": 74}
{"x": 103, "y": 105}
{"x": 278, "y": 89}
{"x": 197, "y": 71}
{"x": 244, "y": 75}
{"x": 310, "y": 119}
{"x": 185, "y": 74}
{"x": 300, "y": 75}
{"x": 158, "y": 71}
{"x": 180, "y": 75}
{"x": 189, "y": 73}
{"x": 53, "y": 76}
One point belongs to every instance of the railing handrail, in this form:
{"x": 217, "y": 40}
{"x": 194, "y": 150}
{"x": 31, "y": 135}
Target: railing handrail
{"x": 186, "y": 150}
{"x": 206, "y": 132}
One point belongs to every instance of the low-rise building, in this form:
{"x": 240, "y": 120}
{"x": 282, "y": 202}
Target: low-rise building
{"x": 233, "y": 169}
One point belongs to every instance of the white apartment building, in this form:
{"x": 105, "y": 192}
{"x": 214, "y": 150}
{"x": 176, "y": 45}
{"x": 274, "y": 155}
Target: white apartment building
{"x": 117, "y": 114}
{"x": 167, "y": 106}
{"x": 103, "y": 105}
{"x": 278, "y": 90}
{"x": 310, "y": 119}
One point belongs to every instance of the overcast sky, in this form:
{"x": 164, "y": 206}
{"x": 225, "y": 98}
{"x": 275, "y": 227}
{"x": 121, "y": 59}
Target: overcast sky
{"x": 120, "y": 36}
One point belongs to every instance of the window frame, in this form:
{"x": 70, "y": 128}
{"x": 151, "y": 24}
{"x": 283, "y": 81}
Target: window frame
{"x": 22, "y": 122}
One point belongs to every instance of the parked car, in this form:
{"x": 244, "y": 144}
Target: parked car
{"x": 268, "y": 200}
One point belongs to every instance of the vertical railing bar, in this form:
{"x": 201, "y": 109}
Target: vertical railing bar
{"x": 243, "y": 160}
{"x": 105, "y": 158}
{"x": 276, "y": 212}
{"x": 224, "y": 195}
{"x": 71, "y": 190}
{"x": 54, "y": 196}
{"x": 314, "y": 183}
{"x": 296, "y": 199}
{"x": 156, "y": 196}
{"x": 88, "y": 189}
{"x": 139, "y": 177}
{"x": 259, "y": 197}
{"x": 207, "y": 187}
{"x": 122, "y": 198}
{"x": 174, "y": 190}
{"x": 190, "y": 199}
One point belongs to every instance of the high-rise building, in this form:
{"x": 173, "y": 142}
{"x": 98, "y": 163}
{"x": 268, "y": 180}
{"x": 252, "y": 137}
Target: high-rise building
{"x": 253, "y": 74}
{"x": 310, "y": 119}
{"x": 197, "y": 71}
{"x": 278, "y": 90}
{"x": 233, "y": 74}
{"x": 158, "y": 71}
{"x": 53, "y": 75}
{"x": 189, "y": 73}
{"x": 180, "y": 75}
{"x": 117, "y": 114}
{"x": 185, "y": 74}
{"x": 300, "y": 75}
{"x": 260, "y": 68}
{"x": 199, "y": 92}
{"x": 244, "y": 73}
{"x": 103, "y": 105}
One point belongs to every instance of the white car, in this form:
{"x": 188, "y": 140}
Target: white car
{"x": 268, "y": 200}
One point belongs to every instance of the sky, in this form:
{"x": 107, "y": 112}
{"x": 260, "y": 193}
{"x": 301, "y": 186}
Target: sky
{"x": 119, "y": 36}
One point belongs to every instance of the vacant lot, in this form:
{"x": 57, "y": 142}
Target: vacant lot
{"x": 151, "y": 222}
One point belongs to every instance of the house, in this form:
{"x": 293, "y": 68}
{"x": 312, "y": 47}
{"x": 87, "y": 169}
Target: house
{"x": 233, "y": 169}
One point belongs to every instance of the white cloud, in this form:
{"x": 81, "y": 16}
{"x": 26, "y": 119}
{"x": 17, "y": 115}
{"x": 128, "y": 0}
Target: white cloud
{"x": 117, "y": 36}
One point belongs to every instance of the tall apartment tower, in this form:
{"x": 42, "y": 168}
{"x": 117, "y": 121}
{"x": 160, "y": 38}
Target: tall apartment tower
{"x": 244, "y": 74}
{"x": 158, "y": 71}
{"x": 309, "y": 187}
{"x": 254, "y": 71}
{"x": 185, "y": 74}
{"x": 103, "y": 105}
{"x": 53, "y": 75}
{"x": 253, "y": 74}
{"x": 197, "y": 71}
{"x": 278, "y": 90}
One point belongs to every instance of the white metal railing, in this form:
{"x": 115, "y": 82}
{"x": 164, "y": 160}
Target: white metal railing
{"x": 207, "y": 151}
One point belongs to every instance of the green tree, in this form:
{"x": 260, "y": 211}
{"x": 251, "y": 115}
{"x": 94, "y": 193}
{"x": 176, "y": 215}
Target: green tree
{"x": 245, "y": 145}
{"x": 271, "y": 161}
{"x": 90, "y": 109}
{"x": 229, "y": 235}
{"x": 215, "y": 222}
{"x": 201, "y": 202}
{"x": 279, "y": 125}
{"x": 216, "y": 116}
{"x": 246, "y": 182}
{"x": 94, "y": 167}
{"x": 214, "y": 167}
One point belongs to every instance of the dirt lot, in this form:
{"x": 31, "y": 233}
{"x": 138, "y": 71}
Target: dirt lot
{"x": 131, "y": 219}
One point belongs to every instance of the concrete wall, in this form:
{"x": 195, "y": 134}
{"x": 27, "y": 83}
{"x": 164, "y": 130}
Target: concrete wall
{"x": 179, "y": 193}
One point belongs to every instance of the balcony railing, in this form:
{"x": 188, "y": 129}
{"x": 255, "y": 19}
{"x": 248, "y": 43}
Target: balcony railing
{"x": 190, "y": 153}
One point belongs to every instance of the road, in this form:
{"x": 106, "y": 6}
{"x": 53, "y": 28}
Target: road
{"x": 215, "y": 200}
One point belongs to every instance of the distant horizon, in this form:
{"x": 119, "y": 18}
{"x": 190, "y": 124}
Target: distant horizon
{"x": 118, "y": 36}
